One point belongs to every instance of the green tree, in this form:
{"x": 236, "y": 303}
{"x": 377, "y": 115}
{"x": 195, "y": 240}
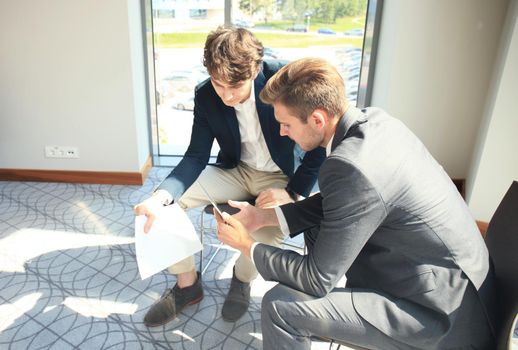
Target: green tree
{"x": 244, "y": 5}
{"x": 254, "y": 7}
{"x": 352, "y": 7}
{"x": 296, "y": 9}
{"x": 326, "y": 11}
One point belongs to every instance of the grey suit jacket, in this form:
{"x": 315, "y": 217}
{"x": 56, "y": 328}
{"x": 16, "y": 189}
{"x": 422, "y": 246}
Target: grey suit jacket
{"x": 391, "y": 220}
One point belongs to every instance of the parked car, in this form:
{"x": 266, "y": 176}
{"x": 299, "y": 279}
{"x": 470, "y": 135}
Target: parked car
{"x": 201, "y": 71}
{"x": 352, "y": 70}
{"x": 177, "y": 81}
{"x": 343, "y": 54}
{"x": 352, "y": 86}
{"x": 354, "y": 32}
{"x": 243, "y": 23}
{"x": 326, "y": 31}
{"x": 352, "y": 96}
{"x": 355, "y": 58}
{"x": 352, "y": 50}
{"x": 353, "y": 76}
{"x": 347, "y": 51}
{"x": 181, "y": 81}
{"x": 270, "y": 53}
{"x": 297, "y": 28}
{"x": 184, "y": 103}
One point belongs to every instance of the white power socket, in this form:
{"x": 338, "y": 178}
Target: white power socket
{"x": 61, "y": 152}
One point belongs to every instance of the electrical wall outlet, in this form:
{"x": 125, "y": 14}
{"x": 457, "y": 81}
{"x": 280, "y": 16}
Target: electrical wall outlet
{"x": 61, "y": 152}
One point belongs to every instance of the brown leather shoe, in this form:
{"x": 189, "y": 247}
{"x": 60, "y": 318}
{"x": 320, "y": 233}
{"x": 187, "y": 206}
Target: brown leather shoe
{"x": 237, "y": 301}
{"x": 172, "y": 302}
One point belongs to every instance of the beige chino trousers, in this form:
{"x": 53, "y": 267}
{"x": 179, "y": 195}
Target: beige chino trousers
{"x": 240, "y": 183}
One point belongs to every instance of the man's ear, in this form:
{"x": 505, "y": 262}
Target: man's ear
{"x": 319, "y": 118}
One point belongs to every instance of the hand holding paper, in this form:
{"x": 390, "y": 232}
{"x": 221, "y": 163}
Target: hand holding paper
{"x": 171, "y": 239}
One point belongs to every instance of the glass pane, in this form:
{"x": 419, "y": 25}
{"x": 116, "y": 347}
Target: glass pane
{"x": 288, "y": 29}
{"x": 180, "y": 28}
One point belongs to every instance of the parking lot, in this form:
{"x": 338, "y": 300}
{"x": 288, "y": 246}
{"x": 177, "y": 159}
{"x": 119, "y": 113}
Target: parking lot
{"x": 178, "y": 71}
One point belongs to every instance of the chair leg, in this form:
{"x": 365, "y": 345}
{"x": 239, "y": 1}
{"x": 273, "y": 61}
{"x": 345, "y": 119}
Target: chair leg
{"x": 202, "y": 236}
{"x": 212, "y": 258}
{"x": 203, "y": 230}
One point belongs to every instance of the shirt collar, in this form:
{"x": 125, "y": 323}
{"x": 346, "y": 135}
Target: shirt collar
{"x": 328, "y": 146}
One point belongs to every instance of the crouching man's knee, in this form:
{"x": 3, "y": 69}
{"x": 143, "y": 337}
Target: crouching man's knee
{"x": 268, "y": 304}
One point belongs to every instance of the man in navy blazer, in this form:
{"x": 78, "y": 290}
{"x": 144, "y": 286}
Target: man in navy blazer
{"x": 387, "y": 217}
{"x": 254, "y": 161}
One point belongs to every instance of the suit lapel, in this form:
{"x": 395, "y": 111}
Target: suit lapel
{"x": 351, "y": 117}
{"x": 263, "y": 110}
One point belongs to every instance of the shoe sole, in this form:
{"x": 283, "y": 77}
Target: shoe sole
{"x": 149, "y": 325}
{"x": 232, "y": 320}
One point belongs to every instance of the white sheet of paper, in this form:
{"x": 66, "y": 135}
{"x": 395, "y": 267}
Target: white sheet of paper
{"x": 171, "y": 239}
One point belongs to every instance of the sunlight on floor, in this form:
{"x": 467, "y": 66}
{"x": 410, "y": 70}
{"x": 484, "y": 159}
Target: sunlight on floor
{"x": 183, "y": 335}
{"x": 99, "y": 308}
{"x": 10, "y": 312}
{"x": 228, "y": 269}
{"x": 257, "y": 336}
{"x": 92, "y": 217}
{"x": 22, "y": 246}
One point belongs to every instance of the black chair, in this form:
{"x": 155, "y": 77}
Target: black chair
{"x": 502, "y": 242}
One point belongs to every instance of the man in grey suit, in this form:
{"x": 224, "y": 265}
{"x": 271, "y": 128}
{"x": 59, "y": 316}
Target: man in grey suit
{"x": 388, "y": 218}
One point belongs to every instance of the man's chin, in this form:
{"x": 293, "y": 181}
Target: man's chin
{"x": 307, "y": 147}
{"x": 302, "y": 147}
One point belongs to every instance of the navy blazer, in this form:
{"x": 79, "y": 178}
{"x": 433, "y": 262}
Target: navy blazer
{"x": 214, "y": 120}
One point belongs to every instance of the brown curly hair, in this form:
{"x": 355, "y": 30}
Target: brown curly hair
{"x": 232, "y": 54}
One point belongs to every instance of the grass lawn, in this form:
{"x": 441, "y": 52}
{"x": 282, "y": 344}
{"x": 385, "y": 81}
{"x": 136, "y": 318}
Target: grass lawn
{"x": 274, "y": 39}
{"x": 341, "y": 25}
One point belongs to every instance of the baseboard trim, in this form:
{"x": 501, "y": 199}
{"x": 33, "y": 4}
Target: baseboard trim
{"x": 123, "y": 178}
{"x": 78, "y": 176}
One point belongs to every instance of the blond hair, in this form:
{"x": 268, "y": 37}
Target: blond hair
{"x": 305, "y": 85}
{"x": 232, "y": 54}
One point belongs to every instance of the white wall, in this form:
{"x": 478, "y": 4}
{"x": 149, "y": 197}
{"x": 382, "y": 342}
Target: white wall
{"x": 434, "y": 66}
{"x": 72, "y": 74}
{"x": 495, "y": 162}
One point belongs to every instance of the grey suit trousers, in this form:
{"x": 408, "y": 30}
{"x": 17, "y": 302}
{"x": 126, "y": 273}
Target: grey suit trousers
{"x": 290, "y": 318}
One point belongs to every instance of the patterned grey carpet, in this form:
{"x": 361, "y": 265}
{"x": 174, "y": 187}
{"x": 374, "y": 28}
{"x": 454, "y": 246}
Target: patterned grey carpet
{"x": 69, "y": 278}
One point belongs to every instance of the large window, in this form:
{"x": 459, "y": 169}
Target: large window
{"x": 341, "y": 31}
